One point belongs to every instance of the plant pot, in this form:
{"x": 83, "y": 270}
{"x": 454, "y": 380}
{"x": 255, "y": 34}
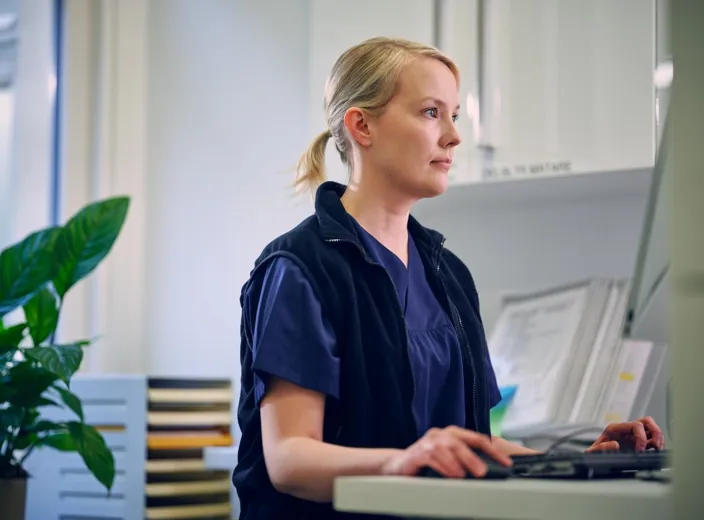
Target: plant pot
{"x": 13, "y": 496}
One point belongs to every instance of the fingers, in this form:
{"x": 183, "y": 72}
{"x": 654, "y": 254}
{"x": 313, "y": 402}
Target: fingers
{"x": 470, "y": 460}
{"x": 635, "y": 430}
{"x": 451, "y": 452}
{"x": 444, "y": 460}
{"x": 438, "y": 449}
{"x": 604, "y": 446}
{"x": 482, "y": 443}
{"x": 656, "y": 437}
{"x": 640, "y": 437}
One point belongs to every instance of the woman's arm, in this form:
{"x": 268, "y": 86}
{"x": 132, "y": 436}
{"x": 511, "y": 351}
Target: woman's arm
{"x": 298, "y": 461}
{"x": 510, "y": 448}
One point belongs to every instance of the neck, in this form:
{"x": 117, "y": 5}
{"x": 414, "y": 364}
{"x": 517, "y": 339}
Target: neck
{"x": 380, "y": 215}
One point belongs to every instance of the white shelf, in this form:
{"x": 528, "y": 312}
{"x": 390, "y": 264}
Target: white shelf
{"x": 541, "y": 190}
{"x": 220, "y": 457}
{"x": 519, "y": 499}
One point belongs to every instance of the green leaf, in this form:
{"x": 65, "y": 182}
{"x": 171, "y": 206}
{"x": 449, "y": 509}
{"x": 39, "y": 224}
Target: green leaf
{"x": 86, "y": 239}
{"x": 45, "y": 401}
{"x": 42, "y": 315}
{"x": 25, "y": 268}
{"x": 94, "y": 451}
{"x": 45, "y": 426}
{"x": 62, "y": 441}
{"x": 25, "y": 439}
{"x": 27, "y": 434}
{"x": 11, "y": 338}
{"x": 26, "y": 383}
{"x": 71, "y": 400}
{"x": 62, "y": 360}
{"x": 10, "y": 418}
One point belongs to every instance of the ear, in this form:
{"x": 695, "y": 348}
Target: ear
{"x": 357, "y": 124}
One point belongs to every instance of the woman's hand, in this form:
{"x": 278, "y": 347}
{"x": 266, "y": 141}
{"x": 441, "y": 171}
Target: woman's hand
{"x": 637, "y": 435}
{"x": 450, "y": 451}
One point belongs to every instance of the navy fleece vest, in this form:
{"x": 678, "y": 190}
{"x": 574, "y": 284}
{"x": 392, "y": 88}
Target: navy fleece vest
{"x": 376, "y": 385}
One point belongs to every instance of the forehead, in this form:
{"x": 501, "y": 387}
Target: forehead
{"x": 427, "y": 77}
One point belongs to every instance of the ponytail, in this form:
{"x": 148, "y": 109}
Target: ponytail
{"x": 310, "y": 172}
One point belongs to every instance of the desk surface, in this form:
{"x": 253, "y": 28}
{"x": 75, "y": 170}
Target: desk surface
{"x": 525, "y": 499}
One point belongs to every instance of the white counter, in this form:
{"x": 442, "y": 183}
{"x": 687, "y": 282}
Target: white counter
{"x": 515, "y": 499}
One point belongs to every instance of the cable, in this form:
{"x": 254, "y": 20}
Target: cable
{"x": 570, "y": 438}
{"x": 559, "y": 440}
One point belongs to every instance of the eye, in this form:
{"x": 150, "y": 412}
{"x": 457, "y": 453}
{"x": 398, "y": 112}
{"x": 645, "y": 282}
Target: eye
{"x": 455, "y": 117}
{"x": 432, "y": 112}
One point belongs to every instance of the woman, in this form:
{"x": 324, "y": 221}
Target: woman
{"x": 363, "y": 351}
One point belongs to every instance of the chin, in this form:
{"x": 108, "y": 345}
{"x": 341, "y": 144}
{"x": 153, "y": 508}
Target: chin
{"x": 423, "y": 186}
{"x": 436, "y": 187}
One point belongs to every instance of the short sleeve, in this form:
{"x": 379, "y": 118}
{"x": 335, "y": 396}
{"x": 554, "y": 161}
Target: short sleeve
{"x": 291, "y": 339}
{"x": 491, "y": 383}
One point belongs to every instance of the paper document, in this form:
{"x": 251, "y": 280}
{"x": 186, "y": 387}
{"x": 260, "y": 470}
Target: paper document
{"x": 604, "y": 355}
{"x": 531, "y": 344}
{"x": 629, "y": 377}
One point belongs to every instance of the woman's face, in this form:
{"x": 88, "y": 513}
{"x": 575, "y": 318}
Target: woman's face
{"x": 413, "y": 140}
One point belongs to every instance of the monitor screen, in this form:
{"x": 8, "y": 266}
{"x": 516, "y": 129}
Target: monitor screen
{"x": 653, "y": 260}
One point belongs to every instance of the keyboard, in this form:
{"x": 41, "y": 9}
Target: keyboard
{"x": 582, "y": 465}
{"x": 574, "y": 465}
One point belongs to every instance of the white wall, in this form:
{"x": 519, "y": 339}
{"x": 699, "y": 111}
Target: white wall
{"x": 228, "y": 115}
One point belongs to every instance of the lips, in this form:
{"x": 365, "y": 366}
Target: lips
{"x": 447, "y": 162}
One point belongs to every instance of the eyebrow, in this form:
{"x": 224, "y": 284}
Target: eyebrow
{"x": 437, "y": 102}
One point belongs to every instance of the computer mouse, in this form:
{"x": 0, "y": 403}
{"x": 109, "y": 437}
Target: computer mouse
{"x": 495, "y": 471}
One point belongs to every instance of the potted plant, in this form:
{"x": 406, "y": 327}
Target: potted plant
{"x": 35, "y": 371}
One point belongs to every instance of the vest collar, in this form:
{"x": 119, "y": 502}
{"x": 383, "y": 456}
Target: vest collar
{"x": 335, "y": 222}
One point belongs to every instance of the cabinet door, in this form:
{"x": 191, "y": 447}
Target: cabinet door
{"x": 336, "y": 25}
{"x": 567, "y": 85}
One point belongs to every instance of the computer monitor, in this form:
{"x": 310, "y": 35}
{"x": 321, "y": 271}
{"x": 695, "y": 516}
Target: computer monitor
{"x": 650, "y": 278}
{"x": 647, "y": 312}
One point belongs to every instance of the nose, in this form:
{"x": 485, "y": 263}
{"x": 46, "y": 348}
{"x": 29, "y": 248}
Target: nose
{"x": 451, "y": 136}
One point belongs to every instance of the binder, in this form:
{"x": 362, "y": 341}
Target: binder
{"x": 559, "y": 348}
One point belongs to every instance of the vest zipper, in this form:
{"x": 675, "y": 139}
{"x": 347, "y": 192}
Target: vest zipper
{"x": 398, "y": 300}
{"x": 463, "y": 339}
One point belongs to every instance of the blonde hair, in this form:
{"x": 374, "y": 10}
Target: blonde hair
{"x": 364, "y": 76}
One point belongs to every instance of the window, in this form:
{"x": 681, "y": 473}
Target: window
{"x": 29, "y": 81}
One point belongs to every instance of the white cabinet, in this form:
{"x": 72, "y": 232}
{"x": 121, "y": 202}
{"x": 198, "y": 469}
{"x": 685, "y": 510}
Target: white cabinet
{"x": 336, "y": 25}
{"x": 563, "y": 86}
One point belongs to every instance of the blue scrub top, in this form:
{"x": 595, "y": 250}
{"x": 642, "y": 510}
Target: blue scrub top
{"x": 292, "y": 339}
